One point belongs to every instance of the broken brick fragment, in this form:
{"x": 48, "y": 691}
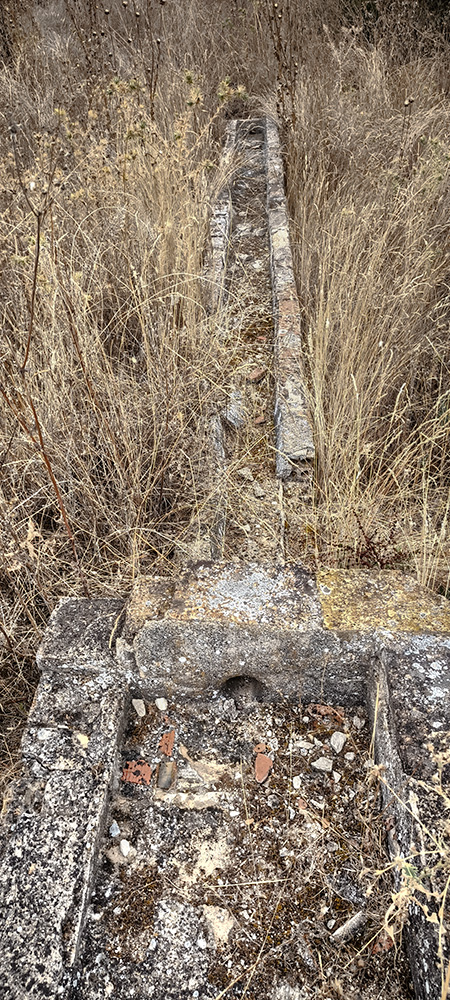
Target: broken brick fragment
{"x": 137, "y": 772}
{"x": 263, "y": 765}
{"x": 166, "y": 742}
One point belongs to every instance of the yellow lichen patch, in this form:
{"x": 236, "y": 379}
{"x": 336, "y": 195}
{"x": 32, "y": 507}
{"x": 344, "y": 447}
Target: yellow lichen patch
{"x": 360, "y": 600}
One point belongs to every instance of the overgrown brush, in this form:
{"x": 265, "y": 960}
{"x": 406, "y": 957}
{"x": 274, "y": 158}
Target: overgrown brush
{"x": 111, "y": 121}
{"x": 110, "y": 360}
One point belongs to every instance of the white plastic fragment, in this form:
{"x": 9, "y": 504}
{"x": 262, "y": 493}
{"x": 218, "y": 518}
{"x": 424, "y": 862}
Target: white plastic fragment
{"x": 125, "y": 848}
{"x": 83, "y": 739}
{"x": 161, "y": 704}
{"x": 114, "y": 829}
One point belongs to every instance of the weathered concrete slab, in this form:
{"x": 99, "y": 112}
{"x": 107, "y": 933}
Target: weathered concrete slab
{"x": 80, "y": 635}
{"x": 220, "y": 225}
{"x": 407, "y": 794}
{"x": 193, "y": 657}
{"x": 294, "y": 440}
{"x": 230, "y": 593}
{"x": 417, "y": 668}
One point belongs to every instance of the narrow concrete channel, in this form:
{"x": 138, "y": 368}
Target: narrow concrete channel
{"x": 264, "y": 427}
{"x": 209, "y": 765}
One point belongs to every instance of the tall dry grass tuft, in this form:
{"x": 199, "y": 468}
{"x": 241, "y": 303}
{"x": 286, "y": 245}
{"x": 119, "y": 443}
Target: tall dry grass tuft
{"x": 368, "y": 174}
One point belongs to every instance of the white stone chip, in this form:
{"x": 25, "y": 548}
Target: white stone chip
{"x": 323, "y": 764}
{"x": 349, "y": 756}
{"x": 337, "y": 777}
{"x": 296, "y": 782}
{"x": 161, "y": 704}
{"x": 338, "y": 740}
{"x": 125, "y": 848}
{"x": 139, "y": 707}
{"x": 114, "y": 829}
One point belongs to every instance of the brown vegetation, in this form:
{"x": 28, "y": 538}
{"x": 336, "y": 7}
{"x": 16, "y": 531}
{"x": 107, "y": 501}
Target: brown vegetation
{"x": 111, "y": 121}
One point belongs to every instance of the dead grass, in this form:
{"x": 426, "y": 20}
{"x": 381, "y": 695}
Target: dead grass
{"x": 111, "y": 127}
{"x": 110, "y": 361}
{"x": 369, "y": 195}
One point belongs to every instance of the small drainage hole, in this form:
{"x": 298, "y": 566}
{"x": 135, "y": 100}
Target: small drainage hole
{"x": 244, "y": 689}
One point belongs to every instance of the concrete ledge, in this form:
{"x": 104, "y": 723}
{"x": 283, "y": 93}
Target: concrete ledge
{"x": 229, "y": 593}
{"x": 219, "y": 229}
{"x": 206, "y": 534}
{"x": 80, "y": 635}
{"x": 192, "y": 659}
{"x": 294, "y": 440}
{"x": 404, "y": 832}
{"x": 54, "y": 822}
{"x": 362, "y": 600}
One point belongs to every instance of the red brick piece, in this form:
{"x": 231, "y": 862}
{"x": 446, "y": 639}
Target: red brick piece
{"x": 263, "y": 765}
{"x": 166, "y": 742}
{"x": 137, "y": 772}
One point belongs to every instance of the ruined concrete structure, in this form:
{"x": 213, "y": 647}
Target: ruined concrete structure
{"x": 220, "y": 634}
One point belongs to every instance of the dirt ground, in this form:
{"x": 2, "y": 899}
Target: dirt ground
{"x": 259, "y": 827}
